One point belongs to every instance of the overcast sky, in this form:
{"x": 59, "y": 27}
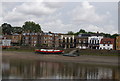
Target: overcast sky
{"x": 64, "y": 16}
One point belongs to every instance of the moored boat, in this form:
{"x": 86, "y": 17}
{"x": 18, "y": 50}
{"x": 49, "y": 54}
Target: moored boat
{"x": 48, "y": 51}
{"x": 70, "y": 55}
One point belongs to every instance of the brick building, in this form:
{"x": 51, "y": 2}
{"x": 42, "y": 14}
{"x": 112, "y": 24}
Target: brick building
{"x": 43, "y": 39}
{"x": 107, "y": 43}
{"x": 50, "y": 40}
{"x": 82, "y": 41}
{"x": 16, "y": 39}
{"x": 29, "y": 39}
{"x": 118, "y": 43}
{"x": 47, "y": 40}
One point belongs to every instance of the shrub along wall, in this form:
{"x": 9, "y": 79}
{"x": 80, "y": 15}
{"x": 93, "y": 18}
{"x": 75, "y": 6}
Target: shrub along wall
{"x": 93, "y": 51}
{"x": 99, "y": 52}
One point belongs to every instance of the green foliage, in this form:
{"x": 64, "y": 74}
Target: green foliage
{"x": 17, "y": 30}
{"x": 114, "y": 35}
{"x": 80, "y": 31}
{"x": 91, "y": 32}
{"x": 38, "y": 45}
{"x": 44, "y": 45}
{"x": 109, "y": 35}
{"x": 30, "y": 26}
{"x": 83, "y": 31}
{"x": 6, "y": 29}
{"x": 70, "y": 33}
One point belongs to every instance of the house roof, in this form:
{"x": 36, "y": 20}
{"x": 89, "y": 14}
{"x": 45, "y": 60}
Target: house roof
{"x": 107, "y": 41}
{"x": 84, "y": 35}
{"x": 96, "y": 34}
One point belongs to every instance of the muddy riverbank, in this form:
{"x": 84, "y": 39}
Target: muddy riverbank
{"x": 85, "y": 59}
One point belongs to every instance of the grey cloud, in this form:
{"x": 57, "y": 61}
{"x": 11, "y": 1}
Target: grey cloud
{"x": 86, "y": 13}
{"x": 51, "y": 16}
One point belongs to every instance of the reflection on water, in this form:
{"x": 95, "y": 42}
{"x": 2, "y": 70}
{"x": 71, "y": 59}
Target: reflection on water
{"x": 53, "y": 70}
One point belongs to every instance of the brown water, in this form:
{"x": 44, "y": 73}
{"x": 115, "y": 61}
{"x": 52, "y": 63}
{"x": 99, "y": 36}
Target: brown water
{"x": 22, "y": 69}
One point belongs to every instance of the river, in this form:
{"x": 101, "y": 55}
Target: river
{"x": 24, "y": 69}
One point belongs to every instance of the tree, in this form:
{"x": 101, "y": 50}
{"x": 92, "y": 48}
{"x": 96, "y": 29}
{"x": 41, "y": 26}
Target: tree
{"x": 6, "y": 29}
{"x": 91, "y": 32}
{"x": 70, "y": 33}
{"x": 82, "y": 31}
{"x": 106, "y": 35}
{"x": 30, "y": 26}
{"x": 114, "y": 35}
{"x": 17, "y": 30}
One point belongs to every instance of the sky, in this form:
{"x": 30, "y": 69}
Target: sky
{"x": 62, "y": 17}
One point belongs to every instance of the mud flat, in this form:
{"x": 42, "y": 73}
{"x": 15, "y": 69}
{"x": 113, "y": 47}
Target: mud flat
{"x": 85, "y": 59}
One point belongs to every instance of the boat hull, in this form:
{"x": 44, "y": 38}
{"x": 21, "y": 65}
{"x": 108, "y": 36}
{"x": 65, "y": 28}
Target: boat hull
{"x": 48, "y": 52}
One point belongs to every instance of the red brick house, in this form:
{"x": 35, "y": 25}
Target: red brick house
{"x": 107, "y": 43}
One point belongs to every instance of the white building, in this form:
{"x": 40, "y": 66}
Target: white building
{"x": 67, "y": 41}
{"x": 5, "y": 41}
{"x": 94, "y": 41}
{"x": 107, "y": 43}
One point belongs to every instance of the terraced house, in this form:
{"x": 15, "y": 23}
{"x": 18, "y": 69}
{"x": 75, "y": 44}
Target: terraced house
{"x": 67, "y": 41}
{"x": 6, "y": 41}
{"x": 94, "y": 41}
{"x": 107, "y": 43}
{"x": 29, "y": 39}
{"x": 16, "y": 39}
{"x": 47, "y": 40}
{"x": 82, "y": 41}
{"x": 58, "y": 40}
{"x": 42, "y": 40}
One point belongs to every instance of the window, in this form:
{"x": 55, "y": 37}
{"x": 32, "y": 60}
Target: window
{"x": 35, "y": 37}
{"x": 98, "y": 41}
{"x": 67, "y": 40}
{"x": 84, "y": 41}
{"x": 45, "y": 42}
{"x": 34, "y": 41}
{"x": 26, "y": 37}
{"x": 95, "y": 41}
{"x": 79, "y": 41}
{"x": 44, "y": 37}
{"x": 63, "y": 39}
{"x": 71, "y": 40}
{"x": 90, "y": 41}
